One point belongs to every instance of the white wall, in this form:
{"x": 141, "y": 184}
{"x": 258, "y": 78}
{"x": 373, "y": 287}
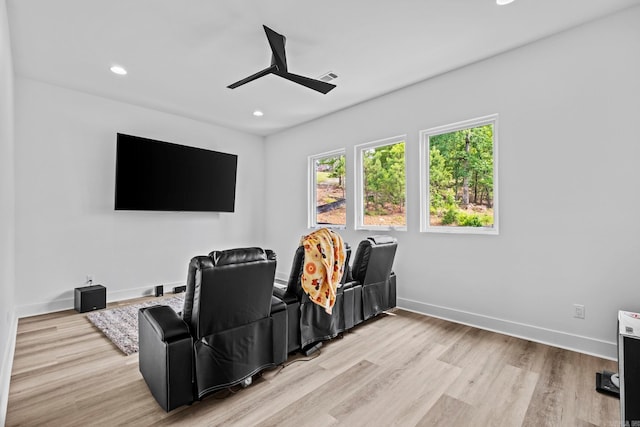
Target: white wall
{"x": 7, "y": 275}
{"x": 568, "y": 165}
{"x": 66, "y": 225}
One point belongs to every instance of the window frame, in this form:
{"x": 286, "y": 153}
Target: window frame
{"x": 425, "y": 214}
{"x": 312, "y": 206}
{"x": 359, "y": 183}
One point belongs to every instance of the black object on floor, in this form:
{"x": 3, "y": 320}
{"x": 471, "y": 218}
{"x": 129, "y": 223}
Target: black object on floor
{"x": 159, "y": 290}
{"x": 179, "y": 289}
{"x": 312, "y": 348}
{"x": 89, "y": 298}
{"x": 604, "y": 384}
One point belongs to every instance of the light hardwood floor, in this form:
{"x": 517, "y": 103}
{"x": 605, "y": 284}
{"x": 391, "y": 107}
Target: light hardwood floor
{"x": 399, "y": 369}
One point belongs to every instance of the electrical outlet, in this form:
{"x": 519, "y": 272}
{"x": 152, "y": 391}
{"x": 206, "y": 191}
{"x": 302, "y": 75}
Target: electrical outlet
{"x": 89, "y": 279}
{"x": 578, "y": 311}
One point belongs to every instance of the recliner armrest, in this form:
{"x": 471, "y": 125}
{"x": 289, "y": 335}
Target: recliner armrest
{"x": 279, "y": 318}
{"x": 286, "y": 296}
{"x": 165, "y": 322}
{"x": 279, "y": 292}
{"x": 349, "y": 285}
{"x": 277, "y": 305}
{"x": 165, "y": 356}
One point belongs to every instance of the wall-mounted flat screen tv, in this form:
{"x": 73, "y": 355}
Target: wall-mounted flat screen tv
{"x": 154, "y": 175}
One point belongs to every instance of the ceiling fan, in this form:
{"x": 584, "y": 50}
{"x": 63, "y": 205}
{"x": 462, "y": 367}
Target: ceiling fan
{"x": 279, "y": 66}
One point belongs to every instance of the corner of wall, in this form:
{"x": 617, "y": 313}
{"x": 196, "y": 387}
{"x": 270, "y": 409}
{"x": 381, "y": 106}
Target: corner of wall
{"x": 8, "y": 319}
{"x": 6, "y": 367}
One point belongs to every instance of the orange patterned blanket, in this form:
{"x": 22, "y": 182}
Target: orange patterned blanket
{"x": 323, "y": 266}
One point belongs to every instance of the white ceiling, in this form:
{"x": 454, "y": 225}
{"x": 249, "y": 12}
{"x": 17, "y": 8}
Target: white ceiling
{"x": 181, "y": 55}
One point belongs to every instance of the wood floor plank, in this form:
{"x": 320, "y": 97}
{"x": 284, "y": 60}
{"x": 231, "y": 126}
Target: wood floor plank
{"x": 566, "y": 392}
{"x": 314, "y": 403}
{"x": 402, "y": 398}
{"x": 448, "y": 411}
{"x": 276, "y": 392}
{"x": 399, "y": 369}
{"x": 416, "y": 352}
{"x": 508, "y": 397}
{"x": 592, "y": 408}
{"x": 481, "y": 355}
{"x": 527, "y": 355}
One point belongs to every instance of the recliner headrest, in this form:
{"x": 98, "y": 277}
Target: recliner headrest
{"x": 270, "y": 254}
{"x": 382, "y": 239}
{"x": 238, "y": 256}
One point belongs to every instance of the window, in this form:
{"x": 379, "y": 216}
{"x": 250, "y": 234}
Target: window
{"x": 459, "y": 177}
{"x": 327, "y": 206}
{"x": 380, "y": 185}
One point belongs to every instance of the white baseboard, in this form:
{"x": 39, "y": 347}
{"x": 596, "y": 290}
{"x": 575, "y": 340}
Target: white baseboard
{"x": 282, "y": 277}
{"x": 68, "y": 303}
{"x": 581, "y": 344}
{"x": 5, "y": 369}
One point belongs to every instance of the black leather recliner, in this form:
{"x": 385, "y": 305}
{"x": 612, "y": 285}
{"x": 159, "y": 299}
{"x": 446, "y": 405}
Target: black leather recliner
{"x": 231, "y": 328}
{"x": 372, "y": 268}
{"x": 308, "y": 323}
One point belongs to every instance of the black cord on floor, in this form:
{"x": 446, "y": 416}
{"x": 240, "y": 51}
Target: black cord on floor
{"x": 308, "y": 359}
{"x": 227, "y": 393}
{"x": 230, "y": 391}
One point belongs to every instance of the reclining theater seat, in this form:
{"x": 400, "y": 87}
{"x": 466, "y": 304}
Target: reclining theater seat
{"x": 231, "y": 328}
{"x": 309, "y": 323}
{"x": 371, "y": 267}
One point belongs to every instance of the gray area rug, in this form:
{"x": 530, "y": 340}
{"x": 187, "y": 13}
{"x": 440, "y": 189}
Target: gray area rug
{"x": 120, "y": 324}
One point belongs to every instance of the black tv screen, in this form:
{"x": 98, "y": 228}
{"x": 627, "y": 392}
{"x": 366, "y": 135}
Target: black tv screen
{"x": 160, "y": 176}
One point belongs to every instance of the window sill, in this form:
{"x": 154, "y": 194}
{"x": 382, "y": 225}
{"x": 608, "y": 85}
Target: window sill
{"x": 330, "y": 226}
{"x": 381, "y": 228}
{"x": 461, "y": 230}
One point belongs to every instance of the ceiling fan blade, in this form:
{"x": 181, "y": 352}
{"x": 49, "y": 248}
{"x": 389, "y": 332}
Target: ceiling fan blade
{"x": 252, "y": 77}
{"x": 277, "y": 42}
{"x": 317, "y": 85}
{"x": 279, "y": 66}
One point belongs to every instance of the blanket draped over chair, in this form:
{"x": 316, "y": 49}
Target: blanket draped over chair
{"x": 323, "y": 266}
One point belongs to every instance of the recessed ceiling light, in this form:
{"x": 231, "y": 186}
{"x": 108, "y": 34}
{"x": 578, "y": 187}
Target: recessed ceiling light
{"x": 503, "y": 2}
{"x": 258, "y": 113}
{"x": 328, "y": 76}
{"x": 116, "y": 69}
